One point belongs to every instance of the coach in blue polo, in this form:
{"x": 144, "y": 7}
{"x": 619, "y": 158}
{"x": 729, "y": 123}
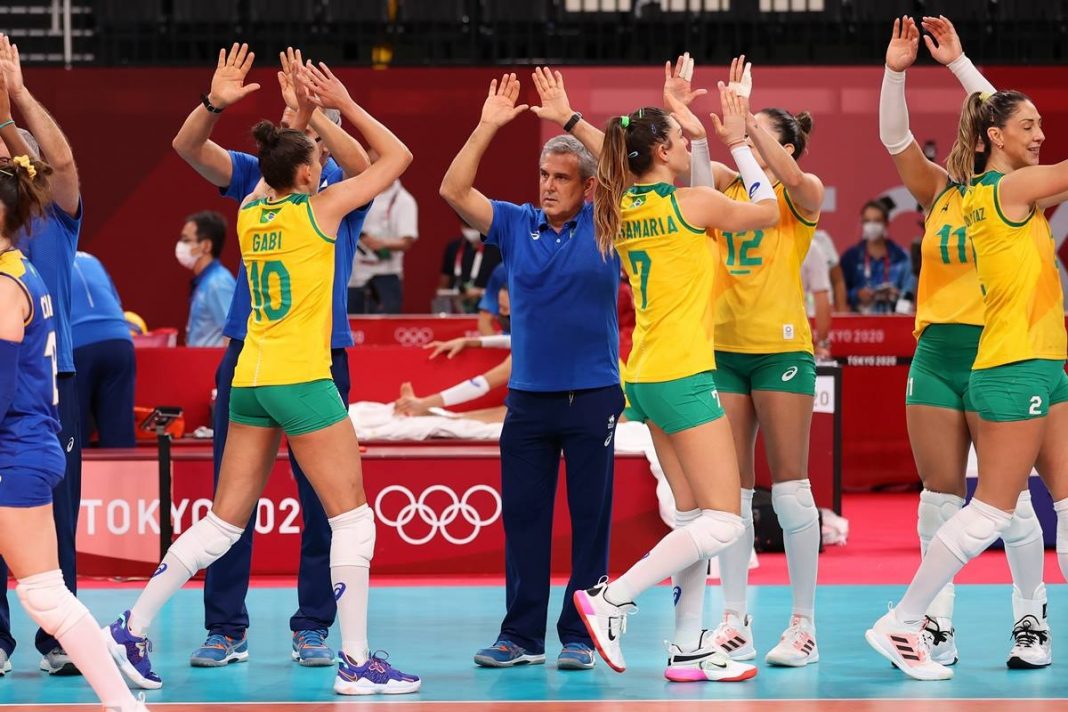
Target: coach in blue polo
{"x": 564, "y": 394}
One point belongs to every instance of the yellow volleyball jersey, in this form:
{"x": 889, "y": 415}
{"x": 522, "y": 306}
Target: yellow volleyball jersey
{"x": 759, "y": 298}
{"x": 290, "y": 265}
{"x": 948, "y": 291}
{"x": 1021, "y": 287}
{"x": 670, "y": 268}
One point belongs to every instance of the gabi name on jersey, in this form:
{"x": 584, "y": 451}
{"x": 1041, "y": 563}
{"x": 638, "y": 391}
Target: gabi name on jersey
{"x": 266, "y": 241}
{"x": 647, "y": 227}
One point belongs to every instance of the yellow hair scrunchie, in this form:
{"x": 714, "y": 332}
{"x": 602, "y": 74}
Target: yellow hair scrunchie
{"x": 26, "y": 163}
{"x": 983, "y": 96}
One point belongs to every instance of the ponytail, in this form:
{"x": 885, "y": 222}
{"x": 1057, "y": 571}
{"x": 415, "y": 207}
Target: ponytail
{"x": 971, "y": 151}
{"x": 24, "y": 193}
{"x": 612, "y": 179}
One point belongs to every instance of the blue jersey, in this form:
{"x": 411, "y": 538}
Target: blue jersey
{"x": 490, "y": 301}
{"x": 96, "y": 312}
{"x": 213, "y": 292}
{"x": 244, "y": 176}
{"x": 29, "y": 428}
{"x": 51, "y": 246}
{"x": 562, "y": 292}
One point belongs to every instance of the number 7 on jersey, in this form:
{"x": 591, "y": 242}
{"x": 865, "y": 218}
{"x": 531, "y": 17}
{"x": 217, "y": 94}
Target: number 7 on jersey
{"x": 640, "y": 264}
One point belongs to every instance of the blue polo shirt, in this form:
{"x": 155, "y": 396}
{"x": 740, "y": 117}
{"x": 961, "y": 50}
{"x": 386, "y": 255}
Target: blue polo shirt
{"x": 51, "y": 247}
{"x": 490, "y": 301}
{"x": 213, "y": 291}
{"x": 244, "y": 177}
{"x": 96, "y": 311}
{"x": 565, "y": 332}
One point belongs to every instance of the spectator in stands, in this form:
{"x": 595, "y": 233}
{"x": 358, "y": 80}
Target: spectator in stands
{"x": 816, "y": 280}
{"x": 198, "y": 249}
{"x": 391, "y": 228}
{"x": 877, "y": 272}
{"x": 490, "y": 308}
{"x": 103, "y": 355}
{"x": 466, "y": 267}
{"x": 839, "y": 301}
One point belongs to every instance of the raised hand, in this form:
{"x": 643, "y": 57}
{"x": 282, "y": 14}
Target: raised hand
{"x": 741, "y": 77}
{"x": 228, "y": 83}
{"x": 450, "y": 348}
{"x": 326, "y": 90}
{"x": 292, "y": 63}
{"x": 948, "y": 47}
{"x": 554, "y": 104}
{"x": 409, "y": 403}
{"x": 691, "y": 125}
{"x": 678, "y": 87}
{"x": 904, "y": 44}
{"x": 500, "y": 107}
{"x": 731, "y": 128}
{"x": 5, "y": 99}
{"x": 11, "y": 66}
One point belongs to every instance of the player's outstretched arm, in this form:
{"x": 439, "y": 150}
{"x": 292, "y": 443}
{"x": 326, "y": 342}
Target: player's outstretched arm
{"x": 556, "y": 108}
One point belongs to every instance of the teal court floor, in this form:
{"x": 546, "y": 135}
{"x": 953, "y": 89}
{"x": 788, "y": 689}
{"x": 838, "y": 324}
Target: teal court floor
{"x": 434, "y": 630}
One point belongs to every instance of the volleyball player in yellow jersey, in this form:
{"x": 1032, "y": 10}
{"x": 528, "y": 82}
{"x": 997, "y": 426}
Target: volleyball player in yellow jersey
{"x": 659, "y": 232}
{"x": 766, "y": 372}
{"x": 1018, "y": 385}
{"x": 949, "y": 319}
{"x": 282, "y": 384}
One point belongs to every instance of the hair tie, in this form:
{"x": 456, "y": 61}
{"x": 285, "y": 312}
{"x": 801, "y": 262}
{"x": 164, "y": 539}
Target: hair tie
{"x": 983, "y": 96}
{"x": 624, "y": 121}
{"x": 641, "y": 113}
{"x": 632, "y": 154}
{"x": 25, "y": 162}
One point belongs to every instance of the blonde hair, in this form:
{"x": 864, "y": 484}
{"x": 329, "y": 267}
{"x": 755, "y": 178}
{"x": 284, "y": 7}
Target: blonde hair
{"x": 979, "y": 114}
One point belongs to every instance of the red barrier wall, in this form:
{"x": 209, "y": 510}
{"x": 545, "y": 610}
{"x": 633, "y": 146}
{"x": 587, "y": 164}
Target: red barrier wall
{"x": 137, "y": 191}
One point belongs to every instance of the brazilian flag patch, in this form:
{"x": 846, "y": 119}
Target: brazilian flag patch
{"x": 268, "y": 214}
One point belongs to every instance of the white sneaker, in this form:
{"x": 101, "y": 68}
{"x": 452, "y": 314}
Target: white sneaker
{"x": 797, "y": 646}
{"x": 735, "y": 636}
{"x": 906, "y": 647}
{"x": 942, "y": 637}
{"x": 707, "y": 663}
{"x": 5, "y": 664}
{"x": 1033, "y": 646}
{"x": 139, "y": 706}
{"x": 605, "y": 622}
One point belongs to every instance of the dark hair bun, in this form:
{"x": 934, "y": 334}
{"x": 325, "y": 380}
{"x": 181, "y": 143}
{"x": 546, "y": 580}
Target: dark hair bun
{"x": 266, "y": 134}
{"x": 805, "y": 120}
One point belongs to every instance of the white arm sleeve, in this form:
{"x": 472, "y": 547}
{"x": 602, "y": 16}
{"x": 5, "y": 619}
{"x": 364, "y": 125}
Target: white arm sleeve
{"x": 465, "y": 391}
{"x": 894, "y": 113}
{"x": 970, "y": 78}
{"x": 701, "y": 164}
{"x": 496, "y": 341}
{"x": 755, "y": 180}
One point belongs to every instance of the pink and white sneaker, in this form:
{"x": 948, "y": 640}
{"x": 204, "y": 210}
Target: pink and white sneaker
{"x": 906, "y": 647}
{"x": 605, "y": 622}
{"x": 797, "y": 646}
{"x": 708, "y": 663}
{"x": 735, "y": 636}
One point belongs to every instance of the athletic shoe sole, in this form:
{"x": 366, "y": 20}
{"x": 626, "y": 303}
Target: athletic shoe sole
{"x": 487, "y": 661}
{"x": 586, "y": 612}
{"x": 1016, "y": 663}
{"x": 64, "y": 670}
{"x": 211, "y": 662}
{"x": 118, "y": 654}
{"x": 398, "y": 688}
{"x": 570, "y": 664}
{"x": 787, "y": 662}
{"x": 691, "y": 674}
{"x": 873, "y": 639}
{"x": 312, "y": 662}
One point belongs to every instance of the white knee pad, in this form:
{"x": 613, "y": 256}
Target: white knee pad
{"x": 935, "y": 509}
{"x": 1024, "y": 528}
{"x": 747, "y": 507}
{"x": 203, "y": 543}
{"x": 794, "y": 506}
{"x": 353, "y": 538}
{"x": 1061, "y": 507}
{"x": 714, "y": 531}
{"x": 50, "y": 603}
{"x": 684, "y": 518}
{"x": 971, "y": 530}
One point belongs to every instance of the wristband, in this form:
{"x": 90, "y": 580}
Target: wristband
{"x": 465, "y": 391}
{"x": 755, "y": 180}
{"x": 496, "y": 341}
{"x": 6, "y": 124}
{"x": 575, "y": 118}
{"x": 208, "y": 105}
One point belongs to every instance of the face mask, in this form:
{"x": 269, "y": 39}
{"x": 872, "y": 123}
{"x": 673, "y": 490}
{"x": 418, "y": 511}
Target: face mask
{"x": 183, "y": 252}
{"x": 471, "y": 234}
{"x": 872, "y": 230}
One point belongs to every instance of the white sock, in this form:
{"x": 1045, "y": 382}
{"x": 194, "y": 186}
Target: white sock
{"x": 351, "y": 549}
{"x": 1061, "y": 507}
{"x": 701, "y": 539}
{"x": 1024, "y": 548}
{"x": 689, "y": 586}
{"x": 170, "y": 576}
{"x": 734, "y": 562}
{"x": 934, "y": 510}
{"x": 800, "y": 522}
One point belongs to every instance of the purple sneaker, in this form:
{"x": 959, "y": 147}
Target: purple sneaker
{"x": 131, "y": 654}
{"x": 374, "y": 677}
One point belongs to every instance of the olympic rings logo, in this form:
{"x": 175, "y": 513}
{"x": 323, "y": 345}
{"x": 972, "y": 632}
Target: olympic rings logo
{"x": 413, "y": 336}
{"x": 459, "y": 507}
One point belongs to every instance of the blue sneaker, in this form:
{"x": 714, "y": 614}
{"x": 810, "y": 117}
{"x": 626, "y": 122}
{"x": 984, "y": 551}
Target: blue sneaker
{"x": 219, "y": 650}
{"x": 505, "y": 653}
{"x": 131, "y": 654}
{"x": 374, "y": 677}
{"x": 575, "y": 656}
{"x": 310, "y": 648}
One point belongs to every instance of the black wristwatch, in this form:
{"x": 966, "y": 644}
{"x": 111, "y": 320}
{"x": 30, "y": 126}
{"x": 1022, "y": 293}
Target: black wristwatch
{"x": 575, "y": 118}
{"x": 208, "y": 105}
